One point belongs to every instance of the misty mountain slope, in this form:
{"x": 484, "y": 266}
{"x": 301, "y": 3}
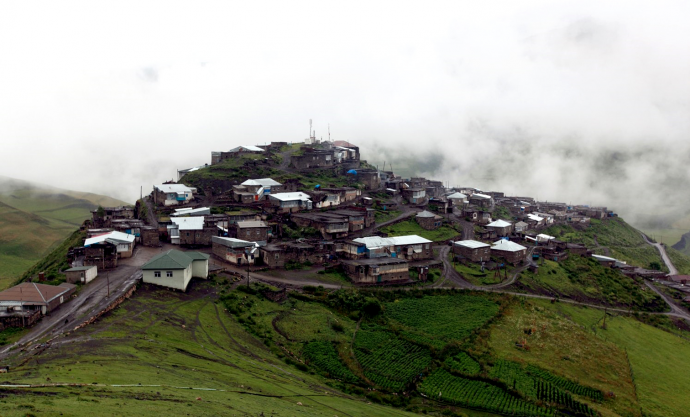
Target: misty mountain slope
{"x": 34, "y": 219}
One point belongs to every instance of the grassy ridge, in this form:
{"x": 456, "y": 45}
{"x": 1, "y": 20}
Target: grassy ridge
{"x": 34, "y": 219}
{"x": 411, "y": 227}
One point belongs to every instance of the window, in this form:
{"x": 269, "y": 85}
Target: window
{"x": 169, "y": 274}
{"x": 157, "y": 274}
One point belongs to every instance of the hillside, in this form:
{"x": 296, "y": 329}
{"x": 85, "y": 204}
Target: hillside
{"x": 220, "y": 349}
{"x": 36, "y": 218}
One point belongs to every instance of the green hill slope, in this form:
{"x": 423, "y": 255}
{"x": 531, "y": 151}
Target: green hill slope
{"x": 36, "y": 218}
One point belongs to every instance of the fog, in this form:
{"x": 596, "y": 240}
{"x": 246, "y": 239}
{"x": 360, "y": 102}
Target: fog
{"x": 577, "y": 102}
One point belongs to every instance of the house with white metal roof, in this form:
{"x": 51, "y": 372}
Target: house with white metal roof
{"x": 123, "y": 241}
{"x": 172, "y": 194}
{"x": 472, "y": 250}
{"x": 199, "y": 211}
{"x": 255, "y": 189}
{"x": 291, "y": 202}
{"x": 428, "y": 220}
{"x": 510, "y": 251}
{"x": 193, "y": 231}
{"x": 409, "y": 247}
{"x": 457, "y": 199}
{"x": 501, "y": 227}
{"x": 235, "y": 251}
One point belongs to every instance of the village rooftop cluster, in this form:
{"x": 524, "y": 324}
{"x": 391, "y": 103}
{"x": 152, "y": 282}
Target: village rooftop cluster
{"x": 261, "y": 223}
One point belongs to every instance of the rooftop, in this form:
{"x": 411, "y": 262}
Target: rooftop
{"x": 173, "y": 259}
{"x": 507, "y": 246}
{"x": 31, "y": 292}
{"x": 249, "y": 148}
{"x": 189, "y": 223}
{"x": 290, "y": 196}
{"x": 112, "y": 237}
{"x": 173, "y": 188}
{"x": 499, "y": 223}
{"x": 472, "y": 244}
{"x": 375, "y": 242}
{"x": 265, "y": 182}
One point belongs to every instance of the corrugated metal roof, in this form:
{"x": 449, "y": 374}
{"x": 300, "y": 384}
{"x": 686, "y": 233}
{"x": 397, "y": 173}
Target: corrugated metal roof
{"x": 457, "y": 196}
{"x": 80, "y": 268}
{"x": 191, "y": 211}
{"x": 375, "y": 242}
{"x": 535, "y": 217}
{"x": 173, "y": 188}
{"x": 472, "y": 244}
{"x": 507, "y": 246}
{"x": 266, "y": 182}
{"x": 290, "y": 196}
{"x": 248, "y": 148}
{"x": 426, "y": 214}
{"x": 484, "y": 196}
{"x": 543, "y": 238}
{"x": 232, "y": 242}
{"x": 251, "y": 223}
{"x": 499, "y": 223}
{"x": 116, "y": 236}
{"x": 189, "y": 223}
{"x": 604, "y": 258}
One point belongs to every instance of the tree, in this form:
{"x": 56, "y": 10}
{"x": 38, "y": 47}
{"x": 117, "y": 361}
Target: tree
{"x": 100, "y": 212}
{"x": 655, "y": 266}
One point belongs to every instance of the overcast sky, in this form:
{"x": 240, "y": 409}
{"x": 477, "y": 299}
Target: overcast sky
{"x": 582, "y": 101}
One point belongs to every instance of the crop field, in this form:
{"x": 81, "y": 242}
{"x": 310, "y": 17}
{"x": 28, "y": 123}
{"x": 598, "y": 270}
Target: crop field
{"x": 323, "y": 355}
{"x": 537, "y": 334}
{"x": 176, "y": 355}
{"x": 387, "y": 361}
{"x": 449, "y": 317}
{"x": 537, "y": 387}
{"x": 463, "y": 363}
{"x": 443, "y": 386}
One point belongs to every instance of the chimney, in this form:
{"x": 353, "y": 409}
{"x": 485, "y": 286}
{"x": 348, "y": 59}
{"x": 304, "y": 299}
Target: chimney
{"x": 41, "y": 276}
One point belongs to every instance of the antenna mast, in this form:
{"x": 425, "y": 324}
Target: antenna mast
{"x": 329, "y": 132}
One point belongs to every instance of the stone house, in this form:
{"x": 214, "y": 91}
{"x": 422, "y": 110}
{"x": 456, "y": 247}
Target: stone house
{"x": 217, "y": 157}
{"x": 414, "y": 195}
{"x": 81, "y": 274}
{"x": 123, "y": 242}
{"x": 501, "y": 227}
{"x": 472, "y": 250}
{"x": 111, "y": 213}
{"x": 150, "y": 236}
{"x": 521, "y": 227}
{"x": 191, "y": 231}
{"x": 172, "y": 194}
{"x": 253, "y": 231}
{"x": 457, "y": 199}
{"x": 174, "y": 269}
{"x": 277, "y": 256}
{"x": 323, "y": 199}
{"x": 235, "y": 251}
{"x": 254, "y": 190}
{"x": 346, "y": 194}
{"x": 313, "y": 158}
{"x": 103, "y": 255}
{"x": 428, "y": 220}
{"x": 291, "y": 202}
{"x": 512, "y": 252}
{"x": 411, "y": 247}
{"x": 377, "y": 271}
{"x": 370, "y": 178}
{"x": 358, "y": 217}
{"x": 331, "y": 225}
{"x": 482, "y": 200}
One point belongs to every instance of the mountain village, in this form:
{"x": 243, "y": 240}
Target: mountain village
{"x": 259, "y": 228}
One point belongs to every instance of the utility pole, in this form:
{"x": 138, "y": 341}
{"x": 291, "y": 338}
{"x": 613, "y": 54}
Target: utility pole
{"x": 107, "y": 277}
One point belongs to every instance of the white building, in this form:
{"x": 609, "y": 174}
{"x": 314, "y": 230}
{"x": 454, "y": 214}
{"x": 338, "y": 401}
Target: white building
{"x": 174, "y": 269}
{"x": 123, "y": 241}
{"x": 172, "y": 194}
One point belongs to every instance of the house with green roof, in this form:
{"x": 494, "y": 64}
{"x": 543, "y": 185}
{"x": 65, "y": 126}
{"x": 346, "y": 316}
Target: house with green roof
{"x": 174, "y": 268}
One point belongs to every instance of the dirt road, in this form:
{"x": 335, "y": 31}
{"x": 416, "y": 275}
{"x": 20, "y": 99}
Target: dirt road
{"x": 91, "y": 299}
{"x": 662, "y": 250}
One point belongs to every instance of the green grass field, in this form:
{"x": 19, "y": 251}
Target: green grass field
{"x": 34, "y": 219}
{"x": 173, "y": 342}
{"x": 584, "y": 279}
{"x": 411, "y": 227}
{"x": 657, "y": 357}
